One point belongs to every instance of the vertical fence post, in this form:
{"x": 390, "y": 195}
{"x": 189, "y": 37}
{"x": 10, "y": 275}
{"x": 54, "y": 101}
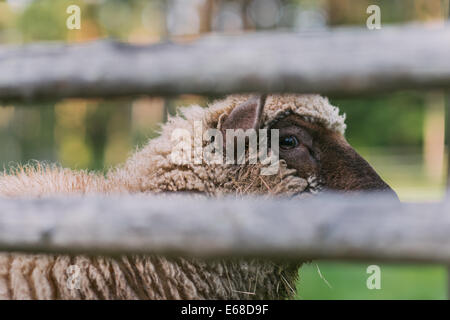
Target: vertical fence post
{"x": 447, "y": 182}
{"x": 446, "y": 12}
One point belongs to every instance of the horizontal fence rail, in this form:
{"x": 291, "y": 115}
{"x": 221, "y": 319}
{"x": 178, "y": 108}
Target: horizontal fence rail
{"x": 366, "y": 227}
{"x": 347, "y": 61}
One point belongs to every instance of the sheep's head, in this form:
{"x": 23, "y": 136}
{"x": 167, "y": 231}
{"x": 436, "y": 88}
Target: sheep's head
{"x": 311, "y": 140}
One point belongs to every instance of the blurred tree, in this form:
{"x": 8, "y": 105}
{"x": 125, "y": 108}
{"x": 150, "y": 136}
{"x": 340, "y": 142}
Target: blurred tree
{"x": 383, "y": 121}
{"x": 116, "y": 17}
{"x": 70, "y": 132}
{"x": 44, "y": 20}
{"x": 6, "y": 16}
{"x": 33, "y": 131}
{"x": 97, "y": 120}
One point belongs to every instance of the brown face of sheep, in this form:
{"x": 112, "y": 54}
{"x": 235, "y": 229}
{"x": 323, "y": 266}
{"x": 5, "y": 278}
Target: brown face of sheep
{"x": 313, "y": 150}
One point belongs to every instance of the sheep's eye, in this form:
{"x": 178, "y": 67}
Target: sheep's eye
{"x": 288, "y": 142}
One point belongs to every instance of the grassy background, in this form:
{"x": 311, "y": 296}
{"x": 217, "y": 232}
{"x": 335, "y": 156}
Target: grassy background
{"x": 348, "y": 281}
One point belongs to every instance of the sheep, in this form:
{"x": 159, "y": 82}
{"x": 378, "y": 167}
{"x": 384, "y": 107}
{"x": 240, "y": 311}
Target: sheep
{"x": 314, "y": 155}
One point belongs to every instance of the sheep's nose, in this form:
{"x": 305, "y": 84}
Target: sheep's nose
{"x": 388, "y": 192}
{"x": 376, "y": 186}
{"x": 343, "y": 169}
{"x": 368, "y": 181}
{"x": 394, "y": 195}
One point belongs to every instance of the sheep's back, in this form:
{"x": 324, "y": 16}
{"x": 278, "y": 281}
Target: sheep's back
{"x": 31, "y": 276}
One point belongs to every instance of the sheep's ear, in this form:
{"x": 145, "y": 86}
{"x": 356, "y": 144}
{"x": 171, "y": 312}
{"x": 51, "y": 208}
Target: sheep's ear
{"x": 247, "y": 115}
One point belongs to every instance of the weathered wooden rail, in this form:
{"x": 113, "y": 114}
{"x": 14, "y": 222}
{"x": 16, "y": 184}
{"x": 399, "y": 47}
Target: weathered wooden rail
{"x": 344, "y": 61}
{"x": 365, "y": 227}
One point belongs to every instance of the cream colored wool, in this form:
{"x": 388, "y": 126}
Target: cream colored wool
{"x": 150, "y": 170}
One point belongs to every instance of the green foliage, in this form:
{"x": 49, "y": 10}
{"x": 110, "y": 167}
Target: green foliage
{"x": 44, "y": 20}
{"x": 383, "y": 121}
{"x": 116, "y": 18}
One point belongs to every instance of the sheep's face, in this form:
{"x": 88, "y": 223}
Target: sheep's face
{"x": 315, "y": 151}
{"x": 319, "y": 155}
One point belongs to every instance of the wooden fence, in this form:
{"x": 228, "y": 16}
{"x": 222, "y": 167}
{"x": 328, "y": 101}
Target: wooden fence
{"x": 344, "y": 61}
{"x": 367, "y": 227}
